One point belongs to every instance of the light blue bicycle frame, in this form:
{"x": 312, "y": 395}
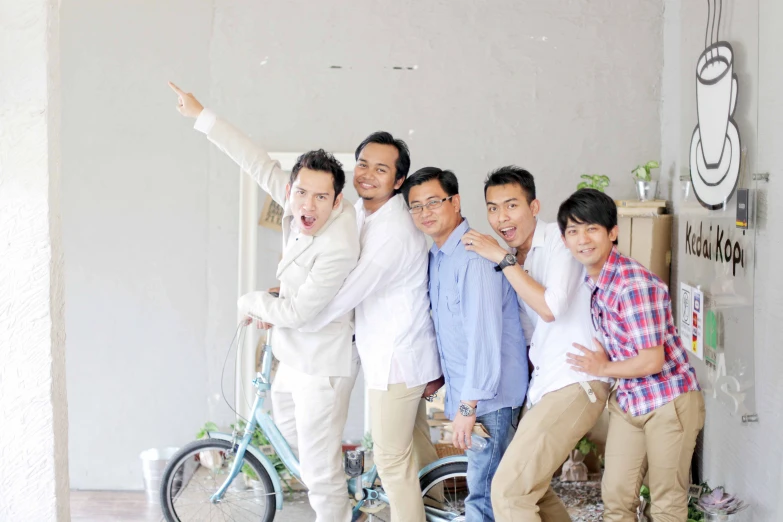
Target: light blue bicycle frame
{"x": 262, "y": 420}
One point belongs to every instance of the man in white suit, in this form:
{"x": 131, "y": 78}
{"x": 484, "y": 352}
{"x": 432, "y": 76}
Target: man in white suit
{"x": 317, "y": 371}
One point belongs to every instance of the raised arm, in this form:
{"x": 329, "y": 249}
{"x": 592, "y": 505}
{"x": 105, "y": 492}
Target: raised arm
{"x": 251, "y": 158}
{"x": 550, "y": 299}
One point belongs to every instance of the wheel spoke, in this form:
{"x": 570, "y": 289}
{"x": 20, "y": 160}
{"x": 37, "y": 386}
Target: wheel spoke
{"x": 191, "y": 485}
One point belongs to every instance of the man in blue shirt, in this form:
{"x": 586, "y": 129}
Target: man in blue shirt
{"x": 479, "y": 333}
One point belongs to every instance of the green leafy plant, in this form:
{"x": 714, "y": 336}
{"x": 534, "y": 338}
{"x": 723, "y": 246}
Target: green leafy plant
{"x": 593, "y": 181}
{"x": 642, "y": 172}
{"x": 208, "y": 426}
{"x": 694, "y": 513}
{"x": 367, "y": 441}
{"x": 259, "y": 440}
{"x": 586, "y": 446}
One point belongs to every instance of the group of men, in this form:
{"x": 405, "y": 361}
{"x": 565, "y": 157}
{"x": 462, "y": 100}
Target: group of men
{"x": 530, "y": 340}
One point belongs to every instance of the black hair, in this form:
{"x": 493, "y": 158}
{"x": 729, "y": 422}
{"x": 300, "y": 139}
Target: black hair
{"x": 588, "y": 206}
{"x": 403, "y": 163}
{"x": 446, "y": 178}
{"x": 324, "y": 162}
{"x": 512, "y": 175}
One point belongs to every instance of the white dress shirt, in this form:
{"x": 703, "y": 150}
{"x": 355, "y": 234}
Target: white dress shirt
{"x": 551, "y": 264}
{"x": 389, "y": 290}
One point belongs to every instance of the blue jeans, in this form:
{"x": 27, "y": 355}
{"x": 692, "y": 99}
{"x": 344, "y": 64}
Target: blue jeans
{"x": 501, "y": 425}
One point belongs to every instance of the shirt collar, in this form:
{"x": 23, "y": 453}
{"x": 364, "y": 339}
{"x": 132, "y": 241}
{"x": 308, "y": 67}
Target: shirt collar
{"x": 539, "y": 235}
{"x": 608, "y": 271}
{"x": 455, "y": 238}
{"x": 394, "y": 203}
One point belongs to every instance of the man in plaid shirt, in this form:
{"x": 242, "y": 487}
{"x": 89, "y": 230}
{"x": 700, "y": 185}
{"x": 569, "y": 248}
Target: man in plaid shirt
{"x": 658, "y": 409}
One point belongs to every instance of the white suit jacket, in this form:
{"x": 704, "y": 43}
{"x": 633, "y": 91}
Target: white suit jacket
{"x": 312, "y": 270}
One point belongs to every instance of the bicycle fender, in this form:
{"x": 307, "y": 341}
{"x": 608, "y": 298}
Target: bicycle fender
{"x": 442, "y": 462}
{"x": 270, "y": 469}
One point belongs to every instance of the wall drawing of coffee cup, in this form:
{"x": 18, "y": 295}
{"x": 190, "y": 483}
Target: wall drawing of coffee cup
{"x": 716, "y": 149}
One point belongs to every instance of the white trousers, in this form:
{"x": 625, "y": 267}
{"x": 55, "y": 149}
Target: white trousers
{"x": 310, "y": 412}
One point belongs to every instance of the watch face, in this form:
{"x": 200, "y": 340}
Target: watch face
{"x": 510, "y": 259}
{"x": 465, "y": 410}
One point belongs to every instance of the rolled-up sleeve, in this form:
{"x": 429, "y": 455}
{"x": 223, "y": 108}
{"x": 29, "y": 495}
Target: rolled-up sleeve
{"x": 481, "y": 293}
{"x": 564, "y": 276}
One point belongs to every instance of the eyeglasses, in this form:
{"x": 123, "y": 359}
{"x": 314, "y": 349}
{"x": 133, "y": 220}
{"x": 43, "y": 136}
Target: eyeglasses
{"x": 596, "y": 316}
{"x": 431, "y": 205}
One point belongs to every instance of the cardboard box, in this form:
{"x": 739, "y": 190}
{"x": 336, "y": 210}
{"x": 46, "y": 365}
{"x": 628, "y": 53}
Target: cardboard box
{"x": 648, "y": 239}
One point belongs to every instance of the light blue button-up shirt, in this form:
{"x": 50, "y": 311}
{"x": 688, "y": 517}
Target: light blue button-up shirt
{"x": 480, "y": 338}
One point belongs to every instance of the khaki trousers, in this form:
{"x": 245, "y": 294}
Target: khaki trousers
{"x": 521, "y": 489}
{"x": 401, "y": 447}
{"x": 660, "y": 442}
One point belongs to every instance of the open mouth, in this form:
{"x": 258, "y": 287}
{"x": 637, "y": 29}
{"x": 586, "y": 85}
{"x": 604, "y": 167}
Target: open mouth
{"x": 586, "y": 251}
{"x": 307, "y": 222}
{"x": 508, "y": 233}
{"x": 366, "y": 186}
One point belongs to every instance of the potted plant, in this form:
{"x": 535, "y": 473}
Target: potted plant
{"x": 645, "y": 186}
{"x": 594, "y": 181}
{"x": 718, "y": 505}
{"x": 215, "y": 460}
{"x": 574, "y": 469}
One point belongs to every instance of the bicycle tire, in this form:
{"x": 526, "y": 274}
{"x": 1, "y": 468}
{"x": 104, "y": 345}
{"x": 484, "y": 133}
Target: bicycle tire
{"x": 168, "y": 479}
{"x": 456, "y": 470}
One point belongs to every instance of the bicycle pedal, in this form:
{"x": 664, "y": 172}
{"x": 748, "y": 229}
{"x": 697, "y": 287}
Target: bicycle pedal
{"x": 354, "y": 463}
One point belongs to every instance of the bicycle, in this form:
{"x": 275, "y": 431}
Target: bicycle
{"x": 191, "y": 490}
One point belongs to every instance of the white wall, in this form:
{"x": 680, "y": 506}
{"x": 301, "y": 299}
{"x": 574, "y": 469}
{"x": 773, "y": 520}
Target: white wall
{"x": 33, "y": 402}
{"x": 561, "y": 87}
{"x": 747, "y": 459}
{"x": 135, "y": 212}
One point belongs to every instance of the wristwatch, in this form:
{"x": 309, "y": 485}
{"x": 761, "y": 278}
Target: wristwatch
{"x": 466, "y": 410}
{"x": 509, "y": 260}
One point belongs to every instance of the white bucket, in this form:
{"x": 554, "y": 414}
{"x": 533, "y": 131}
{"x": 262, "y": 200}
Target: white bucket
{"x": 153, "y": 462}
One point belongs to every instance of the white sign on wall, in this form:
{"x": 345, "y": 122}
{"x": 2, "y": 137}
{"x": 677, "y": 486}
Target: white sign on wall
{"x": 715, "y": 148}
{"x": 691, "y": 311}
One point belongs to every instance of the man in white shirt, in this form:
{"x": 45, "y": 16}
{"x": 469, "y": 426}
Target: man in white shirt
{"x": 394, "y": 331}
{"x": 562, "y": 404}
{"x": 320, "y": 248}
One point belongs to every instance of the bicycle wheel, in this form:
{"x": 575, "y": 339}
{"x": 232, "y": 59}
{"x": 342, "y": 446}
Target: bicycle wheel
{"x": 446, "y": 488}
{"x": 196, "y": 472}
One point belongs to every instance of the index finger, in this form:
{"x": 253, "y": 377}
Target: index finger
{"x": 177, "y": 89}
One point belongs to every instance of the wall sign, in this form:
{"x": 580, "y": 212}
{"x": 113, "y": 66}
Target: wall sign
{"x": 714, "y": 242}
{"x": 692, "y": 319}
{"x": 715, "y": 148}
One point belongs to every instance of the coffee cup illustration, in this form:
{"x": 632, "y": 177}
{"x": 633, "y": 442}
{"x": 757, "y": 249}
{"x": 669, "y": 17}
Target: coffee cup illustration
{"x": 716, "y": 100}
{"x": 716, "y": 150}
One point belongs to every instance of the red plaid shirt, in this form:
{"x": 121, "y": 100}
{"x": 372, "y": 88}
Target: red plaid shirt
{"x": 632, "y": 308}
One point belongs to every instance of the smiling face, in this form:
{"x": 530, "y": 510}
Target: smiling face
{"x": 440, "y": 222}
{"x": 311, "y": 198}
{"x": 510, "y": 215}
{"x": 375, "y": 172}
{"x": 590, "y": 244}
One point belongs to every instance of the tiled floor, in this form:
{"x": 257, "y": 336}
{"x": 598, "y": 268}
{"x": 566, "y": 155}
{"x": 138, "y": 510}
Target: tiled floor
{"x": 112, "y": 506}
{"x": 583, "y": 501}
{"x": 132, "y": 506}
